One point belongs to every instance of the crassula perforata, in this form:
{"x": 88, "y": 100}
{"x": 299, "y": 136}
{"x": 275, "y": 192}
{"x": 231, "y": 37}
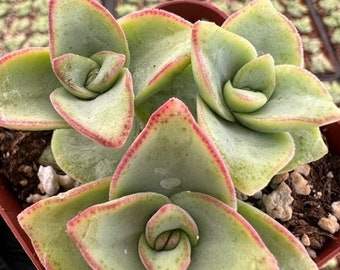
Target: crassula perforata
{"x": 163, "y": 213}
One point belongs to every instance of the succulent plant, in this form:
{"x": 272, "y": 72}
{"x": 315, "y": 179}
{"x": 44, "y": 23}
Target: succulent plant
{"x": 181, "y": 115}
{"x": 164, "y": 211}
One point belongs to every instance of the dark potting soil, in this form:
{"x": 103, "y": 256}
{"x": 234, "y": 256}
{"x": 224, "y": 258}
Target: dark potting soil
{"x": 20, "y": 150}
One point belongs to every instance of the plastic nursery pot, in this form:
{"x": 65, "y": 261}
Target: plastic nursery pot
{"x": 332, "y": 247}
{"x": 10, "y": 207}
{"x": 191, "y": 10}
{"x": 194, "y": 10}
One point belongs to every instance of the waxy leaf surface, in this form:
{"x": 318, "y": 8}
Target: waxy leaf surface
{"x": 299, "y": 100}
{"x": 253, "y": 158}
{"x": 288, "y": 251}
{"x": 27, "y": 80}
{"x": 107, "y": 234}
{"x": 83, "y": 28}
{"x": 170, "y": 155}
{"x": 269, "y": 32}
{"x": 217, "y": 55}
{"x": 45, "y": 223}
{"x": 107, "y": 119}
{"x": 224, "y": 236}
{"x": 159, "y": 44}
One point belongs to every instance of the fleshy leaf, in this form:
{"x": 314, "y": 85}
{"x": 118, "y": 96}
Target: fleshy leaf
{"x": 239, "y": 100}
{"x": 104, "y": 78}
{"x": 309, "y": 147}
{"x": 96, "y": 161}
{"x": 224, "y": 236}
{"x": 45, "y": 223}
{"x": 288, "y": 251}
{"x": 84, "y": 27}
{"x": 108, "y": 234}
{"x": 72, "y": 70}
{"x": 183, "y": 87}
{"x": 159, "y": 44}
{"x": 269, "y": 31}
{"x": 167, "y": 219}
{"x": 257, "y": 75}
{"x": 106, "y": 119}
{"x": 174, "y": 259}
{"x": 170, "y": 155}
{"x": 217, "y": 55}
{"x": 241, "y": 148}
{"x": 27, "y": 80}
{"x": 88, "y": 77}
{"x": 299, "y": 100}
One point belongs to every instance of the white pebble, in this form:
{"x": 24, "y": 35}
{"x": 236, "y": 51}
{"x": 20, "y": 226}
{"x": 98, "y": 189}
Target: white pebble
{"x": 329, "y": 224}
{"x": 278, "y": 203}
{"x": 303, "y": 169}
{"x": 278, "y": 179}
{"x": 305, "y": 240}
{"x": 300, "y": 184}
{"x": 336, "y": 209}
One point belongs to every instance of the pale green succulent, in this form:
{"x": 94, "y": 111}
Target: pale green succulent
{"x": 123, "y": 97}
{"x": 170, "y": 204}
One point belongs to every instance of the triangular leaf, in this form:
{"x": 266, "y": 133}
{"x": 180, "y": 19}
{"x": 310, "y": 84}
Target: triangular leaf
{"x": 288, "y": 251}
{"x": 170, "y": 155}
{"x": 159, "y": 43}
{"x": 299, "y": 100}
{"x": 84, "y": 159}
{"x": 27, "y": 80}
{"x": 217, "y": 55}
{"x": 309, "y": 147}
{"x": 253, "y": 158}
{"x": 224, "y": 236}
{"x": 269, "y": 31}
{"x": 84, "y": 27}
{"x": 45, "y": 223}
{"x": 106, "y": 119}
{"x": 107, "y": 234}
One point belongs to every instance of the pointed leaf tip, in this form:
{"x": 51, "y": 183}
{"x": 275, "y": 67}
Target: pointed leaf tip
{"x": 170, "y": 155}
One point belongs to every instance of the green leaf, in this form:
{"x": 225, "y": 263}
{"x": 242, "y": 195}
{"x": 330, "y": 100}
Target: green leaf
{"x": 88, "y": 77}
{"x": 45, "y": 223}
{"x": 72, "y": 71}
{"x": 252, "y": 158}
{"x": 243, "y": 101}
{"x": 84, "y": 159}
{"x": 299, "y": 100}
{"x": 309, "y": 147}
{"x": 175, "y": 259}
{"x": 183, "y": 87}
{"x": 257, "y": 75}
{"x": 217, "y": 55}
{"x": 27, "y": 80}
{"x": 84, "y": 27}
{"x": 168, "y": 218}
{"x": 159, "y": 44}
{"x": 108, "y": 233}
{"x": 170, "y": 155}
{"x": 224, "y": 236}
{"x": 269, "y": 31}
{"x": 288, "y": 251}
{"x": 106, "y": 119}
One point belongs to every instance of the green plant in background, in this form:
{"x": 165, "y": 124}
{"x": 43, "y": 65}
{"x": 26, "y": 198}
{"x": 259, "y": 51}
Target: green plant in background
{"x": 109, "y": 97}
